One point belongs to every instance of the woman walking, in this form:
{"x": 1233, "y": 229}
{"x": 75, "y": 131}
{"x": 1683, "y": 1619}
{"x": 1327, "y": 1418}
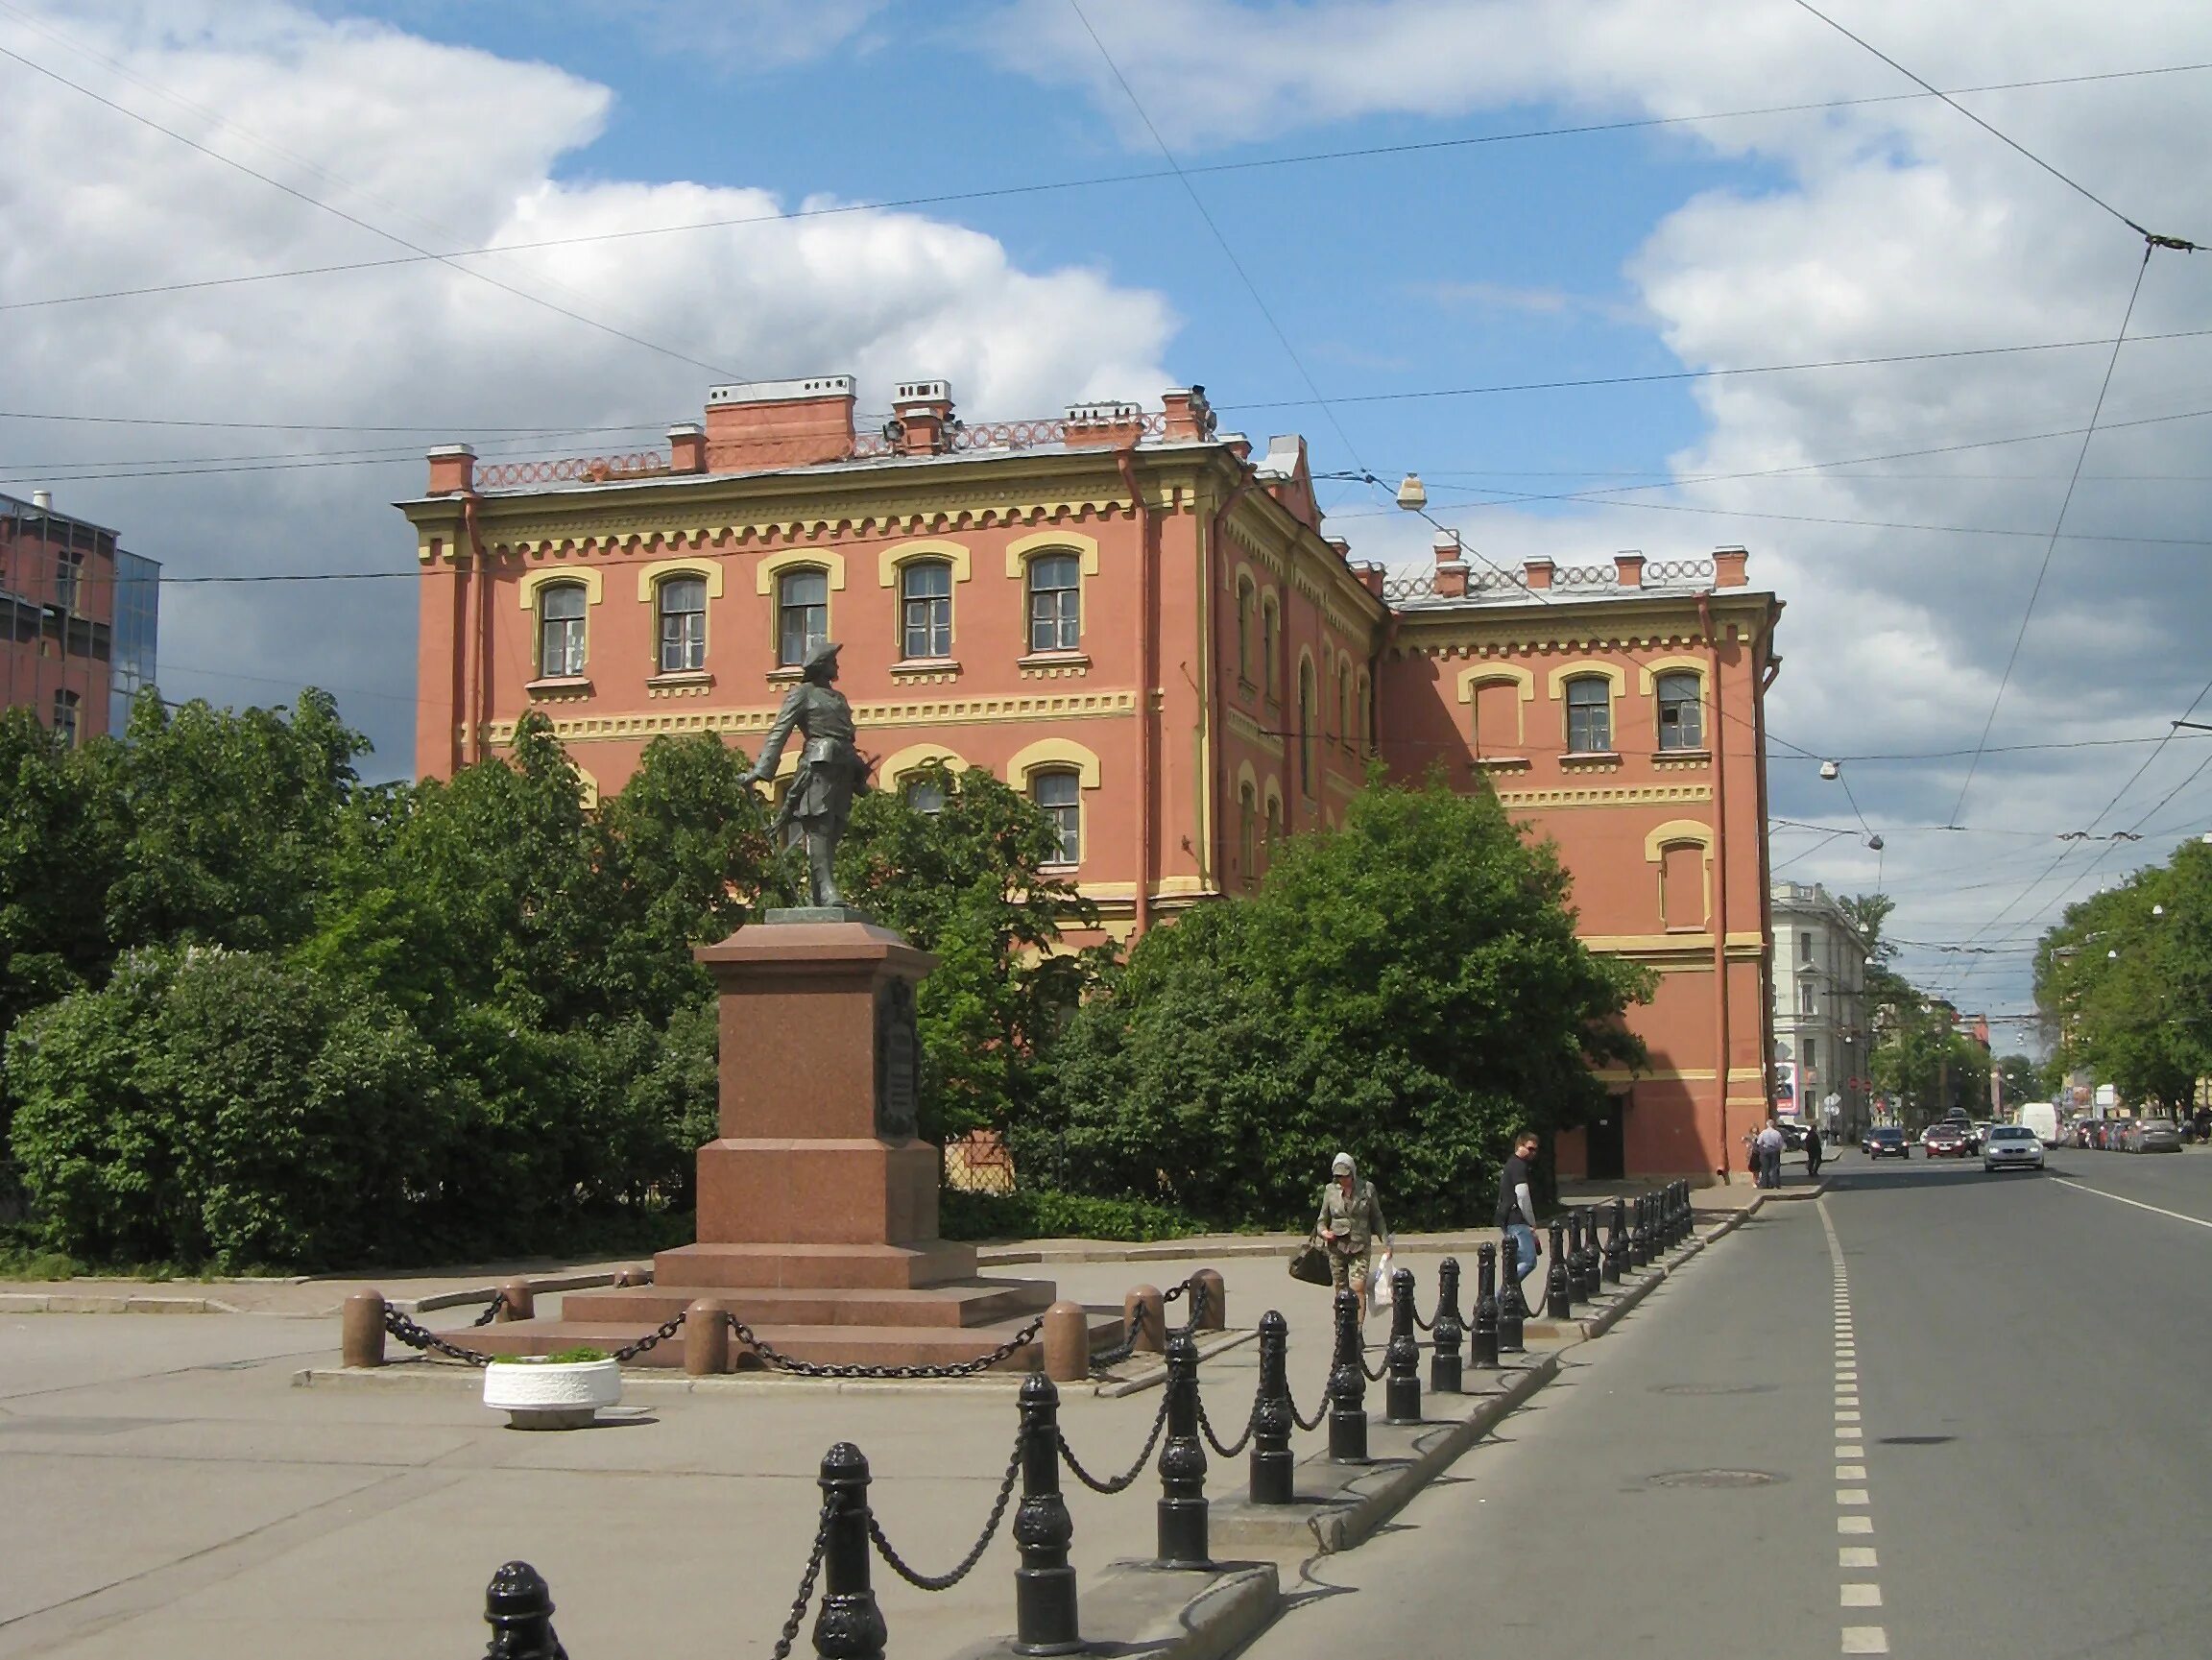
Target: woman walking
{"x": 1349, "y": 1222}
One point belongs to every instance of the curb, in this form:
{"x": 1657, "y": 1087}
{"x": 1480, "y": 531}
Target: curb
{"x": 1168, "y": 1613}
{"x": 88, "y": 1303}
{"x": 1355, "y": 1500}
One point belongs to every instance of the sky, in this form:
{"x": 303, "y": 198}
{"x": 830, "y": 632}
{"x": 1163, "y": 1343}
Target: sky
{"x": 1393, "y": 227}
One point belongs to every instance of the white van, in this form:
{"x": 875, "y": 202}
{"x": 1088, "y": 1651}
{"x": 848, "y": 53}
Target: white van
{"x": 2042, "y": 1117}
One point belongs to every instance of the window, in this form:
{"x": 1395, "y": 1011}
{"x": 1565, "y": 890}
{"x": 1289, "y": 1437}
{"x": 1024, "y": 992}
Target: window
{"x": 66, "y": 718}
{"x": 1681, "y": 713}
{"x": 1497, "y": 718}
{"x": 1811, "y": 1058}
{"x": 925, "y": 608}
{"x": 1804, "y": 947}
{"x": 1244, "y": 630}
{"x": 1805, "y": 999}
{"x": 1270, "y": 630}
{"x": 683, "y": 624}
{"x": 561, "y": 629}
{"x": 924, "y": 795}
{"x": 1248, "y": 831}
{"x": 68, "y": 574}
{"x": 1060, "y": 795}
{"x": 1306, "y": 727}
{"x": 1682, "y": 887}
{"x": 1055, "y": 602}
{"x": 1345, "y": 729}
{"x": 1589, "y": 715}
{"x": 1367, "y": 708}
{"x": 801, "y": 614}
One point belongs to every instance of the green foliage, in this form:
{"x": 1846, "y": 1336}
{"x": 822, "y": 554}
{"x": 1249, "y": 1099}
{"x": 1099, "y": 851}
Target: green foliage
{"x": 2022, "y": 1080}
{"x": 1928, "y": 1066}
{"x": 970, "y": 882}
{"x": 2124, "y": 982}
{"x": 1408, "y": 987}
{"x": 218, "y": 1105}
{"x": 60, "y": 838}
{"x": 1044, "y": 1213}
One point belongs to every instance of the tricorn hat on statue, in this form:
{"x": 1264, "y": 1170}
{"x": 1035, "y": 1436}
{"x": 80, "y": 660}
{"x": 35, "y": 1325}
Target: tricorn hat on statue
{"x": 822, "y": 656}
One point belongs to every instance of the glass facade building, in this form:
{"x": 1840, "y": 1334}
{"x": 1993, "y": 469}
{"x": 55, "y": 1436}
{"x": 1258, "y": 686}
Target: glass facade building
{"x": 136, "y": 635}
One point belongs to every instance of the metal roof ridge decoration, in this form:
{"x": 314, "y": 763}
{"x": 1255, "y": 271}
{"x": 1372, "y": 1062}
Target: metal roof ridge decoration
{"x": 1572, "y": 582}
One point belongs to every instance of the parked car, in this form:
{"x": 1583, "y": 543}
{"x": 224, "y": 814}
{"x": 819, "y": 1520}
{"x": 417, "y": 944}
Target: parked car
{"x": 2155, "y": 1135}
{"x": 1793, "y": 1134}
{"x": 2011, "y": 1147}
{"x": 1946, "y": 1140}
{"x": 1886, "y": 1141}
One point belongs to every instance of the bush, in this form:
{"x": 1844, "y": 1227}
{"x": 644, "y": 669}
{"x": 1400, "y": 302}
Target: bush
{"x": 220, "y": 1106}
{"x": 1048, "y": 1213}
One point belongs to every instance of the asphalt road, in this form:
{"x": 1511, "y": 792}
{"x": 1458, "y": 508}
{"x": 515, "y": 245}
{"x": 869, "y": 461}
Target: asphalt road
{"x": 1936, "y": 1414}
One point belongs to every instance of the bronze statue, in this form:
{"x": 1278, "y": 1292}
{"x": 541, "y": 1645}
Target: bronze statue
{"x": 830, "y": 771}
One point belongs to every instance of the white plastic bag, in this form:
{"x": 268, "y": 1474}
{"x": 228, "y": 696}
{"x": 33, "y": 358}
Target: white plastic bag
{"x": 1378, "y": 1284}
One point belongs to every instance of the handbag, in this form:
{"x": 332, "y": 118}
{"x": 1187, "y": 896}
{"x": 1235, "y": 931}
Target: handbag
{"x": 1309, "y": 1263}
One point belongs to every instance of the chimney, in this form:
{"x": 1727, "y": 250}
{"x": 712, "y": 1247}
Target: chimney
{"x": 766, "y": 425}
{"x": 43, "y": 500}
{"x": 1343, "y": 548}
{"x": 1536, "y": 573}
{"x": 922, "y": 415}
{"x": 1628, "y": 568}
{"x": 687, "y": 448}
{"x": 452, "y": 470}
{"x": 1728, "y": 567}
{"x": 1189, "y": 415}
{"x": 1107, "y": 423}
{"x": 1451, "y": 566}
{"x": 1370, "y": 577}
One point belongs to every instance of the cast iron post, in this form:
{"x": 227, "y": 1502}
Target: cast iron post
{"x": 1592, "y": 1255}
{"x": 1401, "y": 1358}
{"x": 1486, "y": 1320}
{"x": 1347, "y": 1387}
{"x": 1616, "y": 1243}
{"x": 518, "y": 1607}
{"x": 1448, "y": 1332}
{"x": 1271, "y": 1429}
{"x": 1044, "y": 1584}
{"x": 1559, "y": 1286}
{"x": 1639, "y": 1234}
{"x": 1578, "y": 1275}
{"x": 849, "y": 1627}
{"x": 1183, "y": 1462}
{"x": 1512, "y": 1301}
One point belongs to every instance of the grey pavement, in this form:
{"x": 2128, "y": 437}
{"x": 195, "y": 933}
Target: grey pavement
{"x": 172, "y": 1491}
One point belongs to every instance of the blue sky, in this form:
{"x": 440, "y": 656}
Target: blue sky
{"x": 1860, "y": 229}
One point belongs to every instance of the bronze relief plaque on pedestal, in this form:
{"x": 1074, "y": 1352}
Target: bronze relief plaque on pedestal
{"x": 898, "y": 1060}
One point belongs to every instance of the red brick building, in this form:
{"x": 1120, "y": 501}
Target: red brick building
{"x": 78, "y": 620}
{"x": 1141, "y": 623}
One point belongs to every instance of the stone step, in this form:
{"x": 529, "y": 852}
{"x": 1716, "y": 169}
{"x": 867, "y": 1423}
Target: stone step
{"x": 723, "y": 1265}
{"x": 828, "y": 1345}
{"x": 970, "y": 1303}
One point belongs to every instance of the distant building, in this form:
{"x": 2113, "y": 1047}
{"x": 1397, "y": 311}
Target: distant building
{"x": 1823, "y": 1038}
{"x": 1139, "y": 621}
{"x": 79, "y": 619}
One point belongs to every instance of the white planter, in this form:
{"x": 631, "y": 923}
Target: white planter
{"x": 549, "y": 1395}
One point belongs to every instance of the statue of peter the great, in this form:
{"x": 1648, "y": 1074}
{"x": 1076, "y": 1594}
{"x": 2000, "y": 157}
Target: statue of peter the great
{"x": 830, "y": 771}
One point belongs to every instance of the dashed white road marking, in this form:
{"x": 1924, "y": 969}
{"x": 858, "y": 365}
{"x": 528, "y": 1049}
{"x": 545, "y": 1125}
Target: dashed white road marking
{"x": 1854, "y": 1523}
{"x": 1850, "y": 1472}
{"x": 1852, "y": 1499}
{"x": 1860, "y": 1596}
{"x": 1856, "y": 1556}
{"x": 1866, "y": 1640}
{"x": 1852, "y": 1496}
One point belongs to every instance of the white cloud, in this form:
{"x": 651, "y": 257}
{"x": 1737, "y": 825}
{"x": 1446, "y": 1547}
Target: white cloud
{"x": 1898, "y": 228}
{"x": 451, "y": 148}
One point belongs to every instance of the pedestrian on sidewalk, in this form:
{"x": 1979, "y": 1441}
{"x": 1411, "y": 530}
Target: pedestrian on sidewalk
{"x": 1349, "y": 1222}
{"x": 1770, "y": 1153}
{"x": 1516, "y": 1208}
{"x": 1813, "y": 1152}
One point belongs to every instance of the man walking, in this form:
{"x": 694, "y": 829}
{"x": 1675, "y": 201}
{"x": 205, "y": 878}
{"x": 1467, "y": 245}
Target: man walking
{"x": 1516, "y": 1208}
{"x": 1813, "y": 1152}
{"x": 1770, "y": 1153}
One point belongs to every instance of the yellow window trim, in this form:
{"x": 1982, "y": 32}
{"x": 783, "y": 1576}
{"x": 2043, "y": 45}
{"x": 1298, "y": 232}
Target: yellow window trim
{"x": 899, "y": 555}
{"x": 1471, "y": 678}
{"x": 1271, "y": 795}
{"x": 1648, "y": 674}
{"x": 915, "y": 757}
{"x": 765, "y": 573}
{"x": 1022, "y": 549}
{"x": 651, "y": 576}
{"x": 1589, "y": 667}
{"x": 1055, "y": 753}
{"x": 583, "y": 576}
{"x": 1674, "y": 832}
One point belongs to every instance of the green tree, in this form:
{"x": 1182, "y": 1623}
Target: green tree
{"x": 2022, "y": 1080}
{"x": 1928, "y": 1065}
{"x": 61, "y": 845}
{"x": 971, "y": 883}
{"x": 1408, "y": 987}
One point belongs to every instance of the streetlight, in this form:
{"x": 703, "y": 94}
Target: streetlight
{"x": 1413, "y": 493}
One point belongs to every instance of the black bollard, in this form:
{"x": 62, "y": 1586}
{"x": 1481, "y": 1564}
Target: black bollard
{"x": 1183, "y": 1463}
{"x": 1583, "y": 1262}
{"x": 1402, "y": 1356}
{"x": 1271, "y": 1429}
{"x": 1640, "y": 1233}
{"x": 1347, "y": 1387}
{"x": 1448, "y": 1332}
{"x": 1044, "y": 1584}
{"x": 1486, "y": 1320}
{"x": 518, "y": 1607}
{"x": 1617, "y": 1244}
{"x": 1573, "y": 1259}
{"x": 849, "y": 1627}
{"x": 1512, "y": 1301}
{"x": 1559, "y": 1287}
